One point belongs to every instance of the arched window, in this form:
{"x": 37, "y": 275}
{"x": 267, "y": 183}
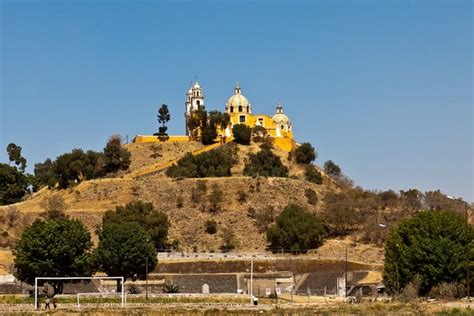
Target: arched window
{"x": 282, "y": 127}
{"x": 231, "y": 109}
{"x": 198, "y": 103}
{"x": 240, "y": 108}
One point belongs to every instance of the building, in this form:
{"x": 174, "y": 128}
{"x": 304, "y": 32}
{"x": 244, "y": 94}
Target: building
{"x": 278, "y": 127}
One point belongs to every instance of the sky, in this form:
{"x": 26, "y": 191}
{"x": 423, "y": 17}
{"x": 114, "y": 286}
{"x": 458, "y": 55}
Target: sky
{"x": 383, "y": 88}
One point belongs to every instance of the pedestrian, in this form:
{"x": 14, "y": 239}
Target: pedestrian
{"x": 46, "y": 303}
{"x": 54, "y": 302}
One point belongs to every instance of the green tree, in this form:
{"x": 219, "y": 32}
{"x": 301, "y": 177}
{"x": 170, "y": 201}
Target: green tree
{"x": 219, "y": 119}
{"x": 432, "y": 245}
{"x": 295, "y": 230}
{"x": 115, "y": 156}
{"x": 214, "y": 163}
{"x": 124, "y": 249}
{"x": 155, "y": 223}
{"x": 265, "y": 163}
{"x": 313, "y": 175}
{"x": 259, "y": 134}
{"x": 58, "y": 247}
{"x": 242, "y": 134}
{"x": 13, "y": 184}
{"x": 14, "y": 155}
{"x": 208, "y": 134}
{"x": 332, "y": 169}
{"x": 45, "y": 174}
{"x": 305, "y": 153}
{"x": 163, "y": 118}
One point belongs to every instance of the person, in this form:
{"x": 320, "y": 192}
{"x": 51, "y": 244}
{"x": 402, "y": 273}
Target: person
{"x": 46, "y": 303}
{"x": 54, "y": 302}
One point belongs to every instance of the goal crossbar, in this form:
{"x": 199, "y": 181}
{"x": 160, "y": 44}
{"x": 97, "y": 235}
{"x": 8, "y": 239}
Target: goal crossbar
{"x": 79, "y": 278}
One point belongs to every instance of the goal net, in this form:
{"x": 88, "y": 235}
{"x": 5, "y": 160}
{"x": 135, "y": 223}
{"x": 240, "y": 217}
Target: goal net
{"x": 100, "y": 296}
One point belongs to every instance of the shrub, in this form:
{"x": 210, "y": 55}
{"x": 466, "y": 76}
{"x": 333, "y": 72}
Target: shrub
{"x": 296, "y": 230}
{"x": 171, "y": 288}
{"x": 115, "y": 156}
{"x": 313, "y": 175}
{"x": 432, "y": 244}
{"x": 179, "y": 202}
{"x": 265, "y": 163}
{"x": 211, "y": 227}
{"x": 133, "y": 289}
{"x": 264, "y": 217}
{"x": 259, "y": 134}
{"x": 241, "y": 196}
{"x": 311, "y": 196}
{"x": 214, "y": 163}
{"x": 229, "y": 241}
{"x": 339, "y": 213}
{"x": 242, "y": 134}
{"x": 305, "y": 153}
{"x": 208, "y": 134}
{"x": 215, "y": 199}
{"x": 331, "y": 169}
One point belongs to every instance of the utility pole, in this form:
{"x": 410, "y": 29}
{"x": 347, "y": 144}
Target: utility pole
{"x": 345, "y": 275}
{"x": 251, "y": 280}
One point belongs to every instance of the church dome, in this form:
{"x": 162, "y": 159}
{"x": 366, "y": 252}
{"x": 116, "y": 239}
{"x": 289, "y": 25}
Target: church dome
{"x": 238, "y": 101}
{"x": 196, "y": 85}
{"x": 279, "y": 117}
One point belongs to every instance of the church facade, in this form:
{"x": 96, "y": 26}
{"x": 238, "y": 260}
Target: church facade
{"x": 278, "y": 126}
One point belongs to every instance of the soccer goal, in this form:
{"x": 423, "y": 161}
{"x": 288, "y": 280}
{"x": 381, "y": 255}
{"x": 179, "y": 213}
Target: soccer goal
{"x": 122, "y": 293}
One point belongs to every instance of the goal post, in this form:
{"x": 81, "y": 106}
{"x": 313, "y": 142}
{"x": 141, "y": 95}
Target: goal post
{"x": 122, "y": 294}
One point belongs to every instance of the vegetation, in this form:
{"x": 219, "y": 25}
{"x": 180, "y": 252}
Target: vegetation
{"x": 71, "y": 168}
{"x": 155, "y": 223}
{"x": 229, "y": 242}
{"x": 115, "y": 156}
{"x": 295, "y": 230}
{"x": 210, "y": 227}
{"x": 14, "y": 155}
{"x": 305, "y": 153}
{"x": 311, "y": 196}
{"x": 312, "y": 174}
{"x": 332, "y": 169}
{"x": 57, "y": 247}
{"x": 124, "y": 250}
{"x": 430, "y": 246}
{"x": 259, "y": 134}
{"x": 13, "y": 184}
{"x": 215, "y": 199}
{"x": 54, "y": 207}
{"x": 242, "y": 134}
{"x": 214, "y": 163}
{"x": 163, "y": 118}
{"x": 265, "y": 163}
{"x": 204, "y": 124}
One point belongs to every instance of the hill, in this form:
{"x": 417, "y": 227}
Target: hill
{"x": 246, "y": 205}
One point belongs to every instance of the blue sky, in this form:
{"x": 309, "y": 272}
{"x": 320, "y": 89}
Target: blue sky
{"x": 382, "y": 88}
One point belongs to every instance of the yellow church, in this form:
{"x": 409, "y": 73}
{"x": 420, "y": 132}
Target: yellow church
{"x": 239, "y": 109}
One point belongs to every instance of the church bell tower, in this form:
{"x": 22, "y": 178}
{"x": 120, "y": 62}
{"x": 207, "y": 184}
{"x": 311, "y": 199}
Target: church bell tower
{"x": 194, "y": 102}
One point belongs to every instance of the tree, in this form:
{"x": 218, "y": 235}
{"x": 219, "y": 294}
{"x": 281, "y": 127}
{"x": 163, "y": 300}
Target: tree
{"x": 295, "y": 230}
{"x": 432, "y": 244}
{"x": 259, "y": 134}
{"x": 332, "y": 169}
{"x": 14, "y": 155}
{"x": 208, "y": 134}
{"x": 313, "y": 175}
{"x": 124, "y": 249}
{"x": 305, "y": 153}
{"x": 45, "y": 174}
{"x": 242, "y": 134}
{"x": 265, "y": 163}
{"x": 163, "y": 118}
{"x": 115, "y": 156}
{"x": 59, "y": 247}
{"x": 214, "y": 163}
{"x": 311, "y": 196}
{"x": 155, "y": 223}
{"x": 13, "y": 184}
{"x": 219, "y": 119}
{"x": 229, "y": 242}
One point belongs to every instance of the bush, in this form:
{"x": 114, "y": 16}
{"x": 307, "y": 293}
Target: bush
{"x": 264, "y": 217}
{"x": 331, "y": 169}
{"x": 229, "y": 241}
{"x": 208, "y": 134}
{"x": 265, "y": 163}
{"x": 432, "y": 244}
{"x": 313, "y": 175}
{"x": 305, "y": 153}
{"x": 259, "y": 134}
{"x": 115, "y": 157}
{"x": 241, "y": 196}
{"x": 295, "y": 230}
{"x": 215, "y": 199}
{"x": 211, "y": 227}
{"x": 214, "y": 163}
{"x": 311, "y": 196}
{"x": 242, "y": 134}
{"x": 339, "y": 213}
